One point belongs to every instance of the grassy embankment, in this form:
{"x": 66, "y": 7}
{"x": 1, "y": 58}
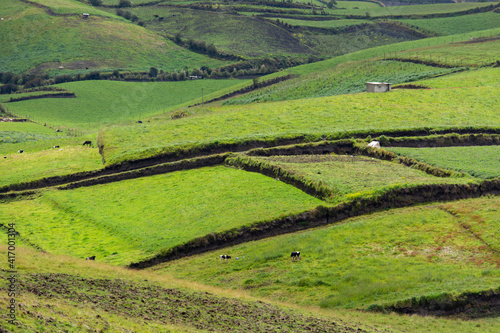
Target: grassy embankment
{"x": 478, "y": 161}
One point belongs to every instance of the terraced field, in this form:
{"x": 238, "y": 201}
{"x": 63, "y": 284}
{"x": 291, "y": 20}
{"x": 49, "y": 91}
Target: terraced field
{"x": 377, "y": 259}
{"x": 382, "y": 233}
{"x": 123, "y": 101}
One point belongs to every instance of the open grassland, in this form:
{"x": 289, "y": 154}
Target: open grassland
{"x": 472, "y": 78}
{"x": 33, "y": 165}
{"x": 322, "y": 116}
{"x": 123, "y": 101}
{"x": 356, "y": 176}
{"x": 131, "y": 220}
{"x": 346, "y": 78}
{"x": 376, "y": 259}
{"x": 32, "y": 38}
{"x": 472, "y": 53}
{"x": 457, "y": 24}
{"x": 478, "y": 161}
{"x": 67, "y": 278}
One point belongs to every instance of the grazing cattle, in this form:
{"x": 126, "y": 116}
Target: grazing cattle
{"x": 139, "y": 121}
{"x": 20, "y": 151}
{"x": 90, "y": 258}
{"x": 58, "y": 130}
{"x": 87, "y": 143}
{"x": 55, "y": 147}
{"x": 224, "y": 256}
{"x": 160, "y": 18}
{"x": 374, "y": 144}
{"x": 295, "y": 256}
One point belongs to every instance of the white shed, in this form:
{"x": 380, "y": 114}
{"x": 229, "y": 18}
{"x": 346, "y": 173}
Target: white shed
{"x": 378, "y": 86}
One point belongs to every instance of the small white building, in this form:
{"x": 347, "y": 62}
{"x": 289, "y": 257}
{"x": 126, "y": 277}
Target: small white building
{"x": 85, "y": 15}
{"x": 378, "y": 86}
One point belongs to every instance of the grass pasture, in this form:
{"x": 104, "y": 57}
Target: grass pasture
{"x": 478, "y": 161}
{"x": 137, "y": 218}
{"x": 123, "y": 101}
{"x": 472, "y": 78}
{"x": 457, "y": 24}
{"x": 353, "y": 177}
{"x": 72, "y": 7}
{"x": 46, "y": 161}
{"x": 322, "y": 116}
{"x": 439, "y": 8}
{"x": 346, "y": 78}
{"x": 472, "y": 53}
{"x": 376, "y": 259}
{"x": 324, "y": 24}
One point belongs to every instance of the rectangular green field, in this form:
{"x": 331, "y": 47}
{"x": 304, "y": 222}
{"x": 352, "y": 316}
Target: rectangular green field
{"x": 355, "y": 176}
{"x": 45, "y": 162}
{"x": 477, "y": 161}
{"x": 122, "y": 102}
{"x": 140, "y": 217}
{"x": 377, "y": 259}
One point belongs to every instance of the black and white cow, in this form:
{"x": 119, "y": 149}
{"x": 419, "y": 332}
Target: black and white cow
{"x": 224, "y": 256}
{"x": 90, "y": 258}
{"x": 20, "y": 151}
{"x": 295, "y": 256}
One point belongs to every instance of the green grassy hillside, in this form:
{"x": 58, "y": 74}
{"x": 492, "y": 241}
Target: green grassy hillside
{"x": 123, "y": 101}
{"x": 30, "y": 38}
{"x": 377, "y": 259}
{"x": 138, "y": 218}
{"x": 333, "y": 116}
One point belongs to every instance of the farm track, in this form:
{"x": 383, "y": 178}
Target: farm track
{"x": 154, "y": 304}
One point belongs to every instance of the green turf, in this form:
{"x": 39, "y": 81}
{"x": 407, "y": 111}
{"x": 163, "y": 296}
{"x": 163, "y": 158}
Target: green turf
{"x": 140, "y": 217}
{"x": 478, "y": 161}
{"x": 328, "y": 115}
{"x": 350, "y": 177}
{"x": 377, "y": 259}
{"x": 123, "y": 101}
